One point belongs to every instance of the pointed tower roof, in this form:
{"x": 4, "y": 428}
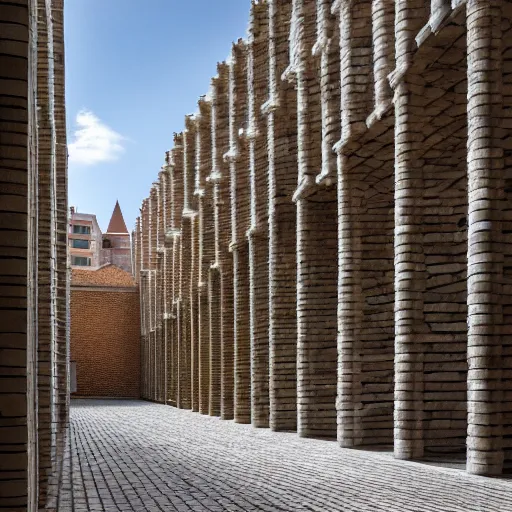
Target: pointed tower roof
{"x": 116, "y": 224}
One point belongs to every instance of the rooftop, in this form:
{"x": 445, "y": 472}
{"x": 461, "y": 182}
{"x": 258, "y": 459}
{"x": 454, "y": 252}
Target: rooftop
{"x": 107, "y": 275}
{"x": 117, "y": 224}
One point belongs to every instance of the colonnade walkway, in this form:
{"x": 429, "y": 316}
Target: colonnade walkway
{"x": 140, "y": 456}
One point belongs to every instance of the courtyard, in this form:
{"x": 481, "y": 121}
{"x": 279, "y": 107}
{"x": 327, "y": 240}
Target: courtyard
{"x": 139, "y": 456}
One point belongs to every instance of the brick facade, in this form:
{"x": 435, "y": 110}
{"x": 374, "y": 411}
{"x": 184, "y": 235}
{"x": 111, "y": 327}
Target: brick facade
{"x": 341, "y": 263}
{"x": 105, "y": 333}
{"x": 34, "y": 276}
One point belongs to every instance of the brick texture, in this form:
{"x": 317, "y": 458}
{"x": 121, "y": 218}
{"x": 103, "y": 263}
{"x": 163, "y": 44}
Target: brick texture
{"x": 34, "y": 280}
{"x": 108, "y": 275}
{"x": 105, "y": 331}
{"x": 361, "y": 288}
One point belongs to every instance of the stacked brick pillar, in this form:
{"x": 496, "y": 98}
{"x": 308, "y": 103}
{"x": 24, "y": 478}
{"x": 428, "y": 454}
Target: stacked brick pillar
{"x": 34, "y": 334}
{"x": 281, "y": 112}
{"x": 337, "y": 237}
{"x": 238, "y": 159}
{"x": 257, "y": 234}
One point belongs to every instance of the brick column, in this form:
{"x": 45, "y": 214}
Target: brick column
{"x": 214, "y": 285}
{"x": 410, "y": 268}
{"x": 220, "y": 178}
{"x": 409, "y": 288}
{"x": 214, "y": 273}
{"x": 365, "y": 229}
{"x": 181, "y": 370}
{"x": 350, "y": 309}
{"x": 194, "y": 313}
{"x": 189, "y": 232}
{"x": 485, "y": 251}
{"x": 159, "y": 330}
{"x": 184, "y": 311}
{"x": 62, "y": 291}
{"x": 153, "y": 285}
{"x": 144, "y": 299}
{"x": 316, "y": 241}
{"x": 258, "y": 232}
{"x": 203, "y": 192}
{"x": 46, "y": 272}
{"x": 237, "y": 157}
{"x": 175, "y": 244}
{"x": 164, "y": 276}
{"x": 281, "y": 109}
{"x": 18, "y": 485}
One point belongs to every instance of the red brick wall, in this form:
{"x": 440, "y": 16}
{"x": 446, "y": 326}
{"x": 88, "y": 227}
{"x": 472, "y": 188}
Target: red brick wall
{"x": 105, "y": 334}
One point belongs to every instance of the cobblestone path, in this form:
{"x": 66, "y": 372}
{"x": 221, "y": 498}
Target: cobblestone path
{"x": 136, "y": 456}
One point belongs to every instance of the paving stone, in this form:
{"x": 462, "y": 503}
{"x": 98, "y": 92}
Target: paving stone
{"x": 137, "y": 456}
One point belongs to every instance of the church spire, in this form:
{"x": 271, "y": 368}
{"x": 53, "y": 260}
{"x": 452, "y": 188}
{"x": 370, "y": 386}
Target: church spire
{"x": 117, "y": 224}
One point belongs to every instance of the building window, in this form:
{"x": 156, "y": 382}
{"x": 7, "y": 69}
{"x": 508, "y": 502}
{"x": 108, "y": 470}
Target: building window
{"x": 80, "y": 244}
{"x": 107, "y": 244}
{"x": 80, "y": 261}
{"x": 81, "y": 230}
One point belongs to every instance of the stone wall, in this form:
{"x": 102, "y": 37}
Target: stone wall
{"x": 34, "y": 337}
{"x": 342, "y": 268}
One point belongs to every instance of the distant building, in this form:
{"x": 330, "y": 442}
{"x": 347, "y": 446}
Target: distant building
{"x": 89, "y": 247}
{"x": 116, "y": 248}
{"x": 85, "y": 239}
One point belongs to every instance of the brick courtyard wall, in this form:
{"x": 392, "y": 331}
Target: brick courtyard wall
{"x": 105, "y": 333}
{"x": 367, "y": 282}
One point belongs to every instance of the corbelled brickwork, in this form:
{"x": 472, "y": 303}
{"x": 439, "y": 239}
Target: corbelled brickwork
{"x": 105, "y": 333}
{"x": 34, "y": 276}
{"x": 342, "y": 265}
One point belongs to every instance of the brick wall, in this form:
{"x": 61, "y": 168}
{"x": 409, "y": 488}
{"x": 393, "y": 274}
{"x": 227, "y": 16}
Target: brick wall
{"x": 105, "y": 331}
{"x": 371, "y": 288}
{"x": 33, "y": 253}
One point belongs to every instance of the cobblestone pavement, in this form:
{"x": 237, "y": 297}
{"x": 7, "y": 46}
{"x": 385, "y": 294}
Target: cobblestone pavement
{"x": 137, "y": 456}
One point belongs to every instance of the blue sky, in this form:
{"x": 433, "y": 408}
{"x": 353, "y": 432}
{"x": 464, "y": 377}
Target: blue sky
{"x": 134, "y": 69}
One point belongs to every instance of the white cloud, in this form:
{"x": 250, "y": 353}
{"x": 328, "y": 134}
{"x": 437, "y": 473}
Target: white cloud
{"x": 93, "y": 141}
